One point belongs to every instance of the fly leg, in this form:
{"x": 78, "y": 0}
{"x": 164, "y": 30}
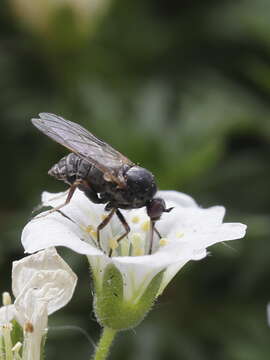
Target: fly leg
{"x": 71, "y": 191}
{"x": 152, "y": 230}
{"x": 157, "y": 232}
{"x": 151, "y": 236}
{"x": 103, "y": 224}
{"x": 126, "y": 226}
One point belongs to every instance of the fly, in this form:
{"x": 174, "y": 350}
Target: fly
{"x": 102, "y": 173}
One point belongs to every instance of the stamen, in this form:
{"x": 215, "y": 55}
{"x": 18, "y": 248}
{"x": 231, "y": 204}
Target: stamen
{"x": 136, "y": 239}
{"x": 113, "y": 244}
{"x": 103, "y": 216}
{"x": 179, "y": 235}
{"x": 6, "y": 298}
{"x": 145, "y": 226}
{"x": 17, "y": 347}
{"x": 137, "y": 244}
{"x": 163, "y": 241}
{"x": 135, "y": 219}
{"x": 16, "y": 351}
{"x": 138, "y": 252}
{"x": 125, "y": 245}
{"x": 6, "y": 332}
{"x": 91, "y": 230}
{"x": 7, "y": 327}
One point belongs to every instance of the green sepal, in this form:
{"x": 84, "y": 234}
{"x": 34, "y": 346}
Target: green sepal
{"x": 16, "y": 333}
{"x": 113, "y": 310}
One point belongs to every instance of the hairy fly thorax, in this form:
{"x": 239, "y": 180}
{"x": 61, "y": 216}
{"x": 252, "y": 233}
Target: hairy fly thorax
{"x": 140, "y": 183}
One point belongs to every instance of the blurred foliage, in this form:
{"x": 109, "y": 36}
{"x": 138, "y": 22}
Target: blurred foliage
{"x": 183, "y": 88}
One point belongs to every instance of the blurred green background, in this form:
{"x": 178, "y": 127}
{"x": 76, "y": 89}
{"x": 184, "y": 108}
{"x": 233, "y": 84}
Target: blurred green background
{"x": 183, "y": 88}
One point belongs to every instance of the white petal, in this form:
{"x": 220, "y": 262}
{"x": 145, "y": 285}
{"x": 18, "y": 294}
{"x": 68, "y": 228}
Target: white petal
{"x": 31, "y": 308}
{"x": 7, "y": 314}
{"x": 223, "y": 232}
{"x": 215, "y": 234}
{"x": 54, "y": 288}
{"x": 53, "y": 199}
{"x": 33, "y": 313}
{"x": 47, "y": 277}
{"x": 138, "y": 271}
{"x": 55, "y": 230}
{"x": 80, "y": 209}
{"x": 187, "y": 220}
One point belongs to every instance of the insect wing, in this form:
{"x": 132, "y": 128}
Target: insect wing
{"x": 83, "y": 143}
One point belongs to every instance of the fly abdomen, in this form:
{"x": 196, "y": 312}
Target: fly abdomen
{"x": 66, "y": 169}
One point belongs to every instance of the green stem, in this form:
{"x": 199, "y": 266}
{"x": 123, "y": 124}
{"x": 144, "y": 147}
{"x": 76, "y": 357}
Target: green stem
{"x": 105, "y": 342}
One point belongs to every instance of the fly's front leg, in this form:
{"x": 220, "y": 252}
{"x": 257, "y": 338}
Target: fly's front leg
{"x": 126, "y": 226}
{"x": 151, "y": 236}
{"x": 103, "y": 224}
{"x": 152, "y": 230}
{"x": 157, "y": 232}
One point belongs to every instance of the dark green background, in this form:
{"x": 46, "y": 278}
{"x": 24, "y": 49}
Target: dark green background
{"x": 183, "y": 88}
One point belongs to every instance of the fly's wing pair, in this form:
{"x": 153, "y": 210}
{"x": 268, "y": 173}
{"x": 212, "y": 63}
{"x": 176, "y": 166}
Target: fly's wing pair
{"x": 84, "y": 144}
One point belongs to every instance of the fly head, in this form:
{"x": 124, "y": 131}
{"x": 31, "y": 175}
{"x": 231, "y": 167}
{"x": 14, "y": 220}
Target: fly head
{"x": 155, "y": 208}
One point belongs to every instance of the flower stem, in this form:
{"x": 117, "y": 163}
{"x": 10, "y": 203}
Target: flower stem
{"x": 105, "y": 342}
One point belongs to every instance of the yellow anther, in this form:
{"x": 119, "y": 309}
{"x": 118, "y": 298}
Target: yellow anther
{"x": 137, "y": 241}
{"x": 6, "y": 298}
{"x": 179, "y": 235}
{"x": 135, "y": 219}
{"x": 145, "y": 225}
{"x": 113, "y": 244}
{"x": 138, "y": 252}
{"x": 163, "y": 241}
{"x": 103, "y": 216}
{"x": 90, "y": 230}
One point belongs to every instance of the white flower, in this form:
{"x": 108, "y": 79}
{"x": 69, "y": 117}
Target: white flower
{"x": 42, "y": 283}
{"x": 186, "y": 233}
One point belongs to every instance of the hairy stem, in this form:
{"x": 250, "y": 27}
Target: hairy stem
{"x": 105, "y": 342}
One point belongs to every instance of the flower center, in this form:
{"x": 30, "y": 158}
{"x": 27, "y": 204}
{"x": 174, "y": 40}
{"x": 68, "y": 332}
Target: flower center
{"x": 142, "y": 239}
{"x": 137, "y": 242}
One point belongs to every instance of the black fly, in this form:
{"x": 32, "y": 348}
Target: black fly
{"x": 102, "y": 173}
